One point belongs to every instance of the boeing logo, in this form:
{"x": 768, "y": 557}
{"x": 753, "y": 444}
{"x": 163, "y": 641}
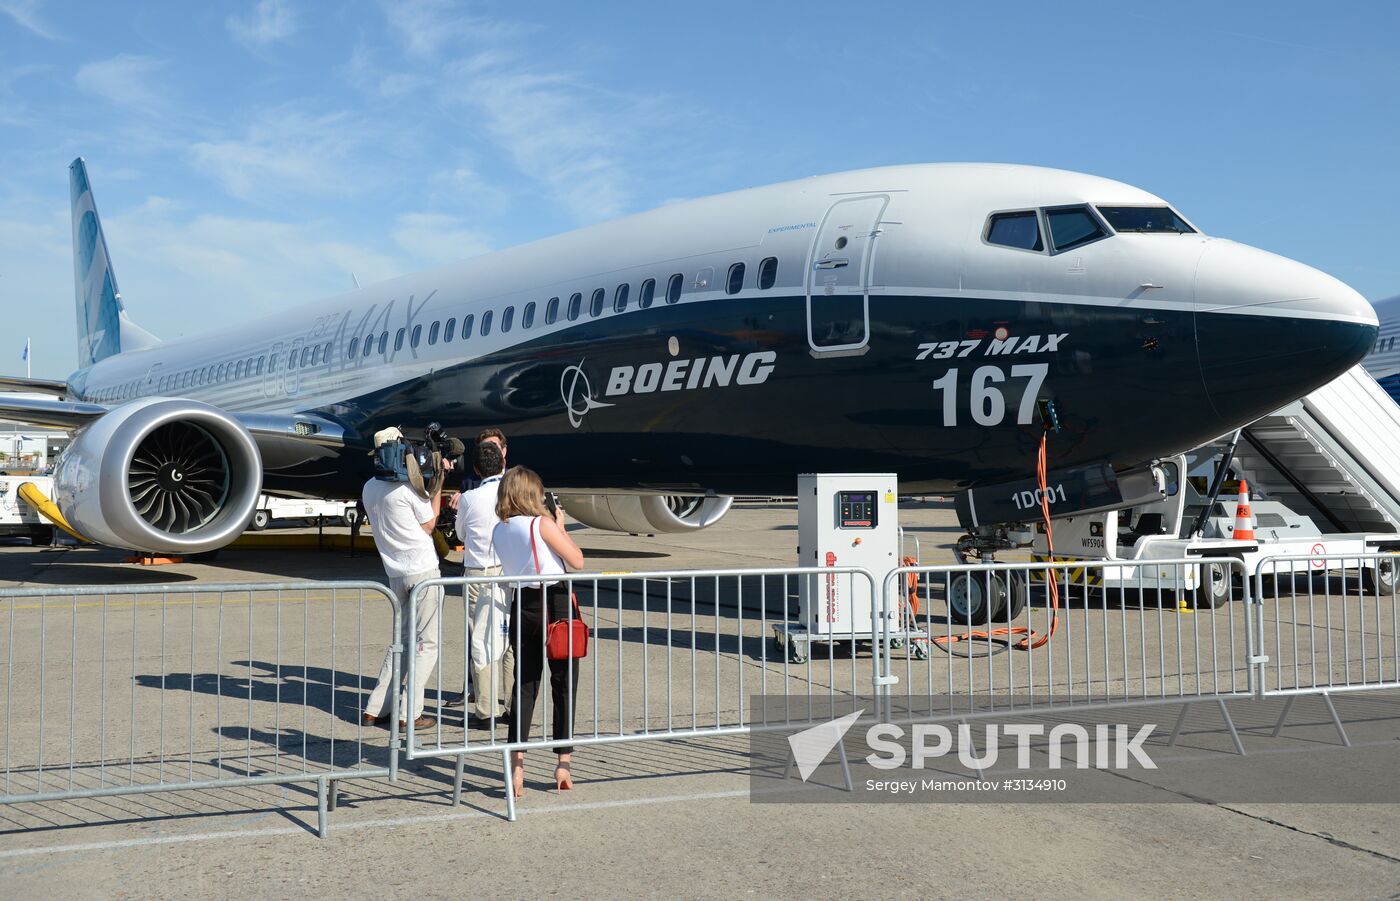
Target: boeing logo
{"x": 676, "y": 375}
{"x": 577, "y": 393}
{"x": 704, "y": 372}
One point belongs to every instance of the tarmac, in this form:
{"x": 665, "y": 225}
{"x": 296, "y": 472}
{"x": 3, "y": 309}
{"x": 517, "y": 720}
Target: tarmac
{"x": 675, "y": 818}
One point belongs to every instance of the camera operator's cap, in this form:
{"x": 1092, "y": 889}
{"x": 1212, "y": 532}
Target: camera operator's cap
{"x": 384, "y": 436}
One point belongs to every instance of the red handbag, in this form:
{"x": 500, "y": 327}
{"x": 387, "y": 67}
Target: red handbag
{"x": 564, "y": 638}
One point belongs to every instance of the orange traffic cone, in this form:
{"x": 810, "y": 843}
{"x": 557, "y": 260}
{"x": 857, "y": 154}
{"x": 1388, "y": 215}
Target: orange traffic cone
{"x": 1244, "y": 519}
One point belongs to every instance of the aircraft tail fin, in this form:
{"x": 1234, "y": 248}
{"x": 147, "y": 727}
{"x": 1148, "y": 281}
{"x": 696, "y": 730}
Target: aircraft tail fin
{"x": 103, "y": 327}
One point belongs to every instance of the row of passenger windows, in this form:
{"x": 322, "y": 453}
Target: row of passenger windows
{"x": 313, "y": 355}
{"x": 1075, "y": 226}
{"x": 551, "y": 310}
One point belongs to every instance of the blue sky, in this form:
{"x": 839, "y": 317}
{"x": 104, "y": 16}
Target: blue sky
{"x": 246, "y": 156}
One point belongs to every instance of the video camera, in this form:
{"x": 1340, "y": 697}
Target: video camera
{"x": 420, "y": 463}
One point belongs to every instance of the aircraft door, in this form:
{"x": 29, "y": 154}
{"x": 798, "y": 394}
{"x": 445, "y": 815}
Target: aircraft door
{"x": 838, "y": 277}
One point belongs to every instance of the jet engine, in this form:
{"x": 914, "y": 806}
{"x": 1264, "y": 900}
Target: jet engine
{"x": 646, "y": 514}
{"x": 160, "y": 475}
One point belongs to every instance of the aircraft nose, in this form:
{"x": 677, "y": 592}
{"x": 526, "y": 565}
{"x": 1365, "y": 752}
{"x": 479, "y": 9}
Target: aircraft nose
{"x": 1270, "y": 329}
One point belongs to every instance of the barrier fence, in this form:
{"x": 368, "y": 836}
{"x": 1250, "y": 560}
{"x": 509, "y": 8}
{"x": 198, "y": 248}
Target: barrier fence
{"x": 672, "y": 655}
{"x": 113, "y": 691}
{"x": 144, "y": 689}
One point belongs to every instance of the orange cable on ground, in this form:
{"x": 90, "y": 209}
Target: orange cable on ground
{"x": 1033, "y": 639}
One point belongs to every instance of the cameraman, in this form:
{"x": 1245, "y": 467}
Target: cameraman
{"x": 403, "y": 511}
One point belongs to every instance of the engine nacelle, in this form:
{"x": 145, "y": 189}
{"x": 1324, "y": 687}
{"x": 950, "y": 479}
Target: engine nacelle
{"x": 160, "y": 475}
{"x": 646, "y": 514}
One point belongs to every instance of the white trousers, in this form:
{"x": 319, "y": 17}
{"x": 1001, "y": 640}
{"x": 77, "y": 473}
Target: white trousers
{"x": 494, "y": 680}
{"x": 420, "y": 636}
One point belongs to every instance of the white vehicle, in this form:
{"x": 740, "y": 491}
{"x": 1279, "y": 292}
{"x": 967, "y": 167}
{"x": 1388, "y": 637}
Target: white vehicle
{"x": 17, "y": 517}
{"x": 270, "y": 508}
{"x": 1184, "y": 524}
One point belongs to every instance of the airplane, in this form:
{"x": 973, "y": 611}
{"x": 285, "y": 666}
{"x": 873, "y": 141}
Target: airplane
{"x": 934, "y": 320}
{"x": 1383, "y": 362}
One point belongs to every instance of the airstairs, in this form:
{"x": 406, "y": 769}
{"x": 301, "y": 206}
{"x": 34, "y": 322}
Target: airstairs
{"x": 1334, "y": 454}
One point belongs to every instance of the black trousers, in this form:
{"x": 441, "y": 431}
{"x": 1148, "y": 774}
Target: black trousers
{"x": 527, "y": 632}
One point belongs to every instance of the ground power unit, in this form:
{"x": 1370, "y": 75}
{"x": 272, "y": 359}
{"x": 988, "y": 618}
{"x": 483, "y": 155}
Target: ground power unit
{"x": 843, "y": 519}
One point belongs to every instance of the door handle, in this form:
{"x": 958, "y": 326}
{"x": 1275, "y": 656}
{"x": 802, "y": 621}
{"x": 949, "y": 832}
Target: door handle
{"x": 832, "y": 264}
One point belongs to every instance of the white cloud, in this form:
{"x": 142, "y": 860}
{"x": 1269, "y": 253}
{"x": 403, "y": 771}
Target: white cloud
{"x": 438, "y": 237}
{"x": 26, "y": 13}
{"x": 366, "y": 75}
{"x": 558, "y": 131}
{"x": 124, "y": 80}
{"x": 267, "y": 23}
{"x": 285, "y": 150}
{"x": 199, "y": 272}
{"x": 424, "y": 27}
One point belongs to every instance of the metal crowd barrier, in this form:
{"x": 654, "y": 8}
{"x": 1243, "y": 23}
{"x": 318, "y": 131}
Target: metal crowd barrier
{"x": 1025, "y": 635}
{"x": 116, "y": 691}
{"x": 1329, "y": 624}
{"x": 673, "y": 655}
{"x": 142, "y": 689}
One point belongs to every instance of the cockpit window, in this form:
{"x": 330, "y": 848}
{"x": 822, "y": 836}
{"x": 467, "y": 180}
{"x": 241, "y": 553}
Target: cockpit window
{"x": 1072, "y": 227}
{"x": 1015, "y": 230}
{"x": 1145, "y": 219}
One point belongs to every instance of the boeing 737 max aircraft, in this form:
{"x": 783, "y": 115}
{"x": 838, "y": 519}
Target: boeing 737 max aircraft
{"x": 930, "y": 320}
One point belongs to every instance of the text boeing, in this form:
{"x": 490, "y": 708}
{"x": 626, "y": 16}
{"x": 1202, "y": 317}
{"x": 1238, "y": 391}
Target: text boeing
{"x": 1113, "y": 748}
{"x": 701, "y": 372}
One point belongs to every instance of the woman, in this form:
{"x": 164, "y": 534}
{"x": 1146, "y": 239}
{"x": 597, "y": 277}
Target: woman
{"x": 529, "y": 541}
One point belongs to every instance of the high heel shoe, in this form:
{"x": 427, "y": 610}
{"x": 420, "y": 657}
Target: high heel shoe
{"x": 563, "y": 778}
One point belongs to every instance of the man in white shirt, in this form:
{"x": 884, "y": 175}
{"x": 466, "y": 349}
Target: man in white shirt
{"x": 403, "y": 523}
{"x": 492, "y": 657}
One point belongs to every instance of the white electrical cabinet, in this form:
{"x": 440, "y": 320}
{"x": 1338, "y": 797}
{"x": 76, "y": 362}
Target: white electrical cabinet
{"x": 843, "y": 519}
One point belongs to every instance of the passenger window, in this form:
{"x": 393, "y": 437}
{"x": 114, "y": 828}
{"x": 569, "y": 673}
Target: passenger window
{"x": 315, "y": 355}
{"x": 369, "y": 345}
{"x": 575, "y": 302}
{"x": 447, "y": 332}
{"x": 648, "y": 292}
{"x": 1072, "y": 227}
{"x": 527, "y": 316}
{"x": 1015, "y": 230}
{"x": 433, "y": 333}
{"x": 219, "y": 377}
{"x": 417, "y": 336}
{"x": 467, "y": 322}
{"x": 383, "y": 342}
{"x": 240, "y": 370}
{"x": 260, "y": 365}
{"x": 673, "y": 288}
{"x": 506, "y": 318}
{"x": 620, "y": 298}
{"x": 398, "y": 339}
{"x": 486, "y": 323}
{"x": 551, "y": 311}
{"x": 735, "y": 283}
{"x": 292, "y": 360}
{"x": 595, "y": 303}
{"x": 354, "y": 347}
{"x": 767, "y": 273}
{"x": 305, "y": 355}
